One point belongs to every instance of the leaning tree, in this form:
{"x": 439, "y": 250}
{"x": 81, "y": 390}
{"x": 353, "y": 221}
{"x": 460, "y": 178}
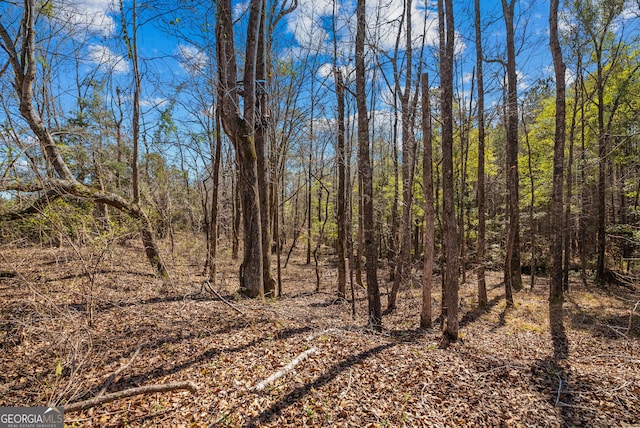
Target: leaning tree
{"x": 23, "y": 58}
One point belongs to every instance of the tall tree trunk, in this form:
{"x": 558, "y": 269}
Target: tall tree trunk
{"x": 568, "y": 224}
{"x": 532, "y": 229}
{"x": 216, "y": 155}
{"x": 403, "y": 266}
{"x": 341, "y": 201}
{"x": 446, "y": 27}
{"x": 429, "y": 210}
{"x": 513, "y": 277}
{"x": 365, "y": 171}
{"x": 482, "y": 285}
{"x": 555, "y": 291}
{"x": 602, "y": 172}
{"x": 132, "y": 45}
{"x": 262, "y": 157}
{"x": 241, "y": 131}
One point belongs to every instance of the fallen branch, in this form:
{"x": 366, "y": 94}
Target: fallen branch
{"x": 559, "y": 389}
{"x": 207, "y": 284}
{"x": 117, "y": 372}
{"x": 148, "y": 389}
{"x": 285, "y": 370}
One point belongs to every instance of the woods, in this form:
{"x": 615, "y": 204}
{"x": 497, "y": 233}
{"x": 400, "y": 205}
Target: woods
{"x": 274, "y": 153}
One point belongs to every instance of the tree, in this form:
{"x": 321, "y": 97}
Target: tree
{"x": 429, "y": 209}
{"x": 513, "y": 277}
{"x": 366, "y": 175}
{"x": 240, "y": 127}
{"x": 409, "y": 147}
{"x": 341, "y": 197}
{"x": 482, "y": 285}
{"x": 597, "y": 19}
{"x": 447, "y": 41}
{"x": 555, "y": 292}
{"x": 21, "y": 50}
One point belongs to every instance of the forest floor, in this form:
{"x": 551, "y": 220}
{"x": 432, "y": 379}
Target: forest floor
{"x": 575, "y": 364}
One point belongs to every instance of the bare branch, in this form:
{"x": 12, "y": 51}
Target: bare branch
{"x": 148, "y": 389}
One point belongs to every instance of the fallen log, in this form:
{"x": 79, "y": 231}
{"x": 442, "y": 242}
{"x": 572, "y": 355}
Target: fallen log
{"x": 148, "y": 389}
{"x": 285, "y": 370}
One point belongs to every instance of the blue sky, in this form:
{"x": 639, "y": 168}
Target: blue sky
{"x": 172, "y": 43}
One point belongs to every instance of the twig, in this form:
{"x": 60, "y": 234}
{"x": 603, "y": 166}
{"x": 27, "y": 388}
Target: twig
{"x": 213, "y": 290}
{"x": 348, "y": 388}
{"x": 117, "y": 372}
{"x": 286, "y": 369}
{"x": 149, "y": 389}
{"x": 559, "y": 389}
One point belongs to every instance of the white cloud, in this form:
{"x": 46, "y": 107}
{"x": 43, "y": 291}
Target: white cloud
{"x": 521, "y": 78}
{"x": 192, "y": 59}
{"x": 93, "y": 16}
{"x": 104, "y": 58}
{"x": 326, "y": 71}
{"x": 153, "y": 102}
{"x": 312, "y": 24}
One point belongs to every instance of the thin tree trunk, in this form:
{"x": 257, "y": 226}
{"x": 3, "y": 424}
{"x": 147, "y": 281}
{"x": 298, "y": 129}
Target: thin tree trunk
{"x": 341, "y": 201}
{"x": 482, "y": 285}
{"x": 216, "y": 154}
{"x": 365, "y": 170}
{"x": 403, "y": 266}
{"x": 532, "y": 231}
{"x": 513, "y": 277}
{"x": 429, "y": 210}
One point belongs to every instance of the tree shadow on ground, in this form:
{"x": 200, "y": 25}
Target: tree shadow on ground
{"x": 599, "y": 324}
{"x": 298, "y": 393}
{"x": 474, "y": 314}
{"x": 206, "y": 355}
{"x": 105, "y": 306}
{"x": 101, "y": 272}
{"x": 552, "y": 376}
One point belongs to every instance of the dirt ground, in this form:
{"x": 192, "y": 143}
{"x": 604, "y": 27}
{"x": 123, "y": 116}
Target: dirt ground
{"x": 77, "y": 323}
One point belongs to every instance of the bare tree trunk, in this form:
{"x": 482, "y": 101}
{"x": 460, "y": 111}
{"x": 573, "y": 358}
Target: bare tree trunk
{"x": 446, "y": 27}
{"x": 532, "y": 231}
{"x": 341, "y": 201}
{"x": 365, "y": 170}
{"x": 216, "y": 154}
{"x": 403, "y": 265}
{"x": 557, "y": 226}
{"x": 482, "y": 285}
{"x": 262, "y": 158}
{"x": 513, "y": 277}
{"x": 241, "y": 131}
{"x": 429, "y": 210}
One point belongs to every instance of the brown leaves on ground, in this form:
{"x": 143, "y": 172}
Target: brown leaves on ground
{"x": 531, "y": 365}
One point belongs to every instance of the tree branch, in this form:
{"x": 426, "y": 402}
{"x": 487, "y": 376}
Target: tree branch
{"x": 148, "y": 389}
{"x": 285, "y": 370}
